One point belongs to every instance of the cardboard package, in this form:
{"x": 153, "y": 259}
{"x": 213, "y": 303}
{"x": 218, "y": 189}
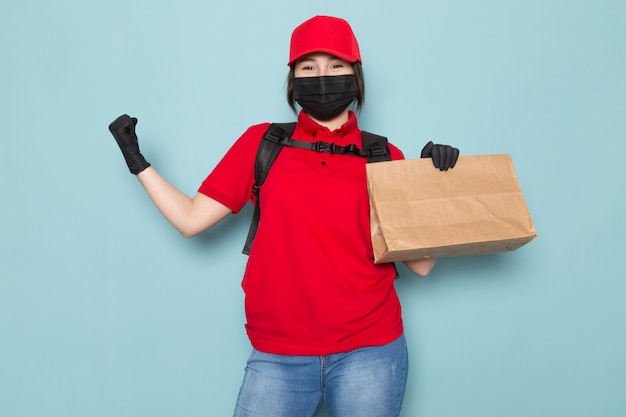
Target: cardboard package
{"x": 475, "y": 208}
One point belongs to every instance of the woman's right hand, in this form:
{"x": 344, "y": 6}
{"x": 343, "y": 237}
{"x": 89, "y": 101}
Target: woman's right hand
{"x": 123, "y": 130}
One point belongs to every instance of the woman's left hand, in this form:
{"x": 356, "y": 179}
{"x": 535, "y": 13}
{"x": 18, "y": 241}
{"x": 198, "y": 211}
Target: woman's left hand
{"x": 444, "y": 156}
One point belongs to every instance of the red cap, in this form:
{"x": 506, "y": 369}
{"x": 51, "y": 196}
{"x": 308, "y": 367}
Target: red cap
{"x": 324, "y": 34}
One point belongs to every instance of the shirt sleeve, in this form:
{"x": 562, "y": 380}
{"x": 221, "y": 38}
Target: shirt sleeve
{"x": 395, "y": 153}
{"x": 230, "y": 182}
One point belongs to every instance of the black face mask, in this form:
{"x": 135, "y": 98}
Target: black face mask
{"x": 324, "y": 97}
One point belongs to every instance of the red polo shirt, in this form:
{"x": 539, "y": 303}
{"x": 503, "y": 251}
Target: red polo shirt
{"x": 311, "y": 285}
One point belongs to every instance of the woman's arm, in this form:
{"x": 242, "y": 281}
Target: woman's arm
{"x": 422, "y": 266}
{"x": 189, "y": 216}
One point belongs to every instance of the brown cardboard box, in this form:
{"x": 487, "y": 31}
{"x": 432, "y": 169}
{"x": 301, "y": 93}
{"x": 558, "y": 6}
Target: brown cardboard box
{"x": 418, "y": 211}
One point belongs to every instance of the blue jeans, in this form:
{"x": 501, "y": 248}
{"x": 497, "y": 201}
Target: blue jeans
{"x": 365, "y": 382}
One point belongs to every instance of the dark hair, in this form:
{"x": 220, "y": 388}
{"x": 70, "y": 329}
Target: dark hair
{"x": 359, "y": 85}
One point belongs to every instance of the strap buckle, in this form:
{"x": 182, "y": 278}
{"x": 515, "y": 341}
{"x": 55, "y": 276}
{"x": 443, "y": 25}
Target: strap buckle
{"x": 320, "y": 146}
{"x": 378, "y": 150}
{"x": 275, "y": 134}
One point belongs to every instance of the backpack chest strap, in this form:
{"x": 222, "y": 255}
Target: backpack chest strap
{"x": 332, "y": 148}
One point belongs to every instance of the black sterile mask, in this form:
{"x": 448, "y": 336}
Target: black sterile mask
{"x": 324, "y": 97}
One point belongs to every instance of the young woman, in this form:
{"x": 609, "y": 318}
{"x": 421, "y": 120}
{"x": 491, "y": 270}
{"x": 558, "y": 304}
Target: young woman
{"x": 324, "y": 320}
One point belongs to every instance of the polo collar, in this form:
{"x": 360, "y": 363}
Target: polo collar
{"x": 311, "y": 127}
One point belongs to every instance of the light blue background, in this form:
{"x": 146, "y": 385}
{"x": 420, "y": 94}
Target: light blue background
{"x": 106, "y": 311}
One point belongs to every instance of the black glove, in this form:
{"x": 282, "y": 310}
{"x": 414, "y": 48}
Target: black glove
{"x": 123, "y": 130}
{"x": 444, "y": 156}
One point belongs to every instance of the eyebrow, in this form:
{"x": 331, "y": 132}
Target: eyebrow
{"x": 309, "y": 59}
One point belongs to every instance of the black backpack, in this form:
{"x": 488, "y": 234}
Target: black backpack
{"x": 375, "y": 149}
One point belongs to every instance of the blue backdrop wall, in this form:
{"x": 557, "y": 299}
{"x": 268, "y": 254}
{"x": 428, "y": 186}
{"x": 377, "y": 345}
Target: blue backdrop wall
{"x": 106, "y": 311}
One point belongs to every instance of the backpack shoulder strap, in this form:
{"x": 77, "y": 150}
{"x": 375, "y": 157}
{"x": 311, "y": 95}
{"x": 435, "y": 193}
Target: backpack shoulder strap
{"x": 376, "y": 147}
{"x": 269, "y": 148}
{"x": 377, "y": 150}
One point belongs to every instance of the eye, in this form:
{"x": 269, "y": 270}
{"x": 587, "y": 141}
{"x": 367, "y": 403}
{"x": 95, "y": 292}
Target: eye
{"x": 337, "y": 66}
{"x": 305, "y": 67}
